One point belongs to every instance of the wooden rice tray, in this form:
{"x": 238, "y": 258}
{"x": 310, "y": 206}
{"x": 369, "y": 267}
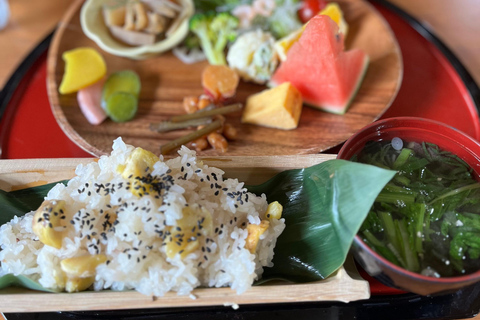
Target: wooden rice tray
{"x": 343, "y": 286}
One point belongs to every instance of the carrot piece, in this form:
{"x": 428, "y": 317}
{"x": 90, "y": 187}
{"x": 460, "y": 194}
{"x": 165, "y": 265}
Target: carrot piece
{"x": 219, "y": 81}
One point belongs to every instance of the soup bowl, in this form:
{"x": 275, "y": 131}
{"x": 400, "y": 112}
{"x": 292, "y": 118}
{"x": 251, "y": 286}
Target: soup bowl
{"x": 413, "y": 130}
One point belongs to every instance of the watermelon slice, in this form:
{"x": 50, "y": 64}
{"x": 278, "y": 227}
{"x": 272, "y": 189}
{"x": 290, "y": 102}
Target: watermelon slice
{"x": 317, "y": 65}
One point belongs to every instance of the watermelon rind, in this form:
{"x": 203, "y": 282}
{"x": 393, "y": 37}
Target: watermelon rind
{"x": 342, "y": 109}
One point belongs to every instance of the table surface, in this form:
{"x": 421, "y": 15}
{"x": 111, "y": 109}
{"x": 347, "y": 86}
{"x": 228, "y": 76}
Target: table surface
{"x": 453, "y": 22}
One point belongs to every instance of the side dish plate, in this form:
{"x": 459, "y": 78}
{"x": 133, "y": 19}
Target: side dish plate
{"x": 166, "y": 81}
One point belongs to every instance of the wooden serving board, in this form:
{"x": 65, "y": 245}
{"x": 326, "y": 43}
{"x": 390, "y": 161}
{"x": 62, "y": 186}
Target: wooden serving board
{"x": 166, "y": 81}
{"x": 342, "y": 286}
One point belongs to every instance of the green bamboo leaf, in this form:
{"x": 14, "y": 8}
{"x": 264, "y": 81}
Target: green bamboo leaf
{"x": 324, "y": 207}
{"x": 19, "y": 202}
{"x": 9, "y": 280}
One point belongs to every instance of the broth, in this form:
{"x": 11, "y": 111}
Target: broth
{"x": 427, "y": 218}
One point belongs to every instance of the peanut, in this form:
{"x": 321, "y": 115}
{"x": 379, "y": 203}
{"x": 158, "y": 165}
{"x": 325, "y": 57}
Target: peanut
{"x": 203, "y": 102}
{"x": 217, "y": 141}
{"x": 229, "y": 131}
{"x": 200, "y": 144}
{"x": 190, "y": 104}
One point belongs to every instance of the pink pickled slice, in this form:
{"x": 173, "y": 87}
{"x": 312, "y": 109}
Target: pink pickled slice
{"x": 89, "y": 99}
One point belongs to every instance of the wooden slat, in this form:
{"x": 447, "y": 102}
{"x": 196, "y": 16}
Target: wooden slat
{"x": 338, "y": 288}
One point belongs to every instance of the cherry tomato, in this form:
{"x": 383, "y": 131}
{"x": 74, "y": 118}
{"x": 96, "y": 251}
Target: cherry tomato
{"x": 310, "y": 8}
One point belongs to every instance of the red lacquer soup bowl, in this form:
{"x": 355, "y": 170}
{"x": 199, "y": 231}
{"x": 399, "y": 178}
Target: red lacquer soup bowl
{"x": 416, "y": 130}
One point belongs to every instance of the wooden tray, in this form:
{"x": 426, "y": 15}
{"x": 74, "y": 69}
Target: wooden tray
{"x": 15, "y": 174}
{"x": 166, "y": 81}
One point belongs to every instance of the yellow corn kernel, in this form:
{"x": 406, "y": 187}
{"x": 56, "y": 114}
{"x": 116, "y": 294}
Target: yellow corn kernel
{"x": 254, "y": 233}
{"x": 184, "y": 237}
{"x": 182, "y": 245}
{"x": 82, "y": 266}
{"x": 138, "y": 165}
{"x": 47, "y": 218}
{"x": 75, "y": 284}
{"x": 60, "y": 278}
{"x": 274, "y": 211}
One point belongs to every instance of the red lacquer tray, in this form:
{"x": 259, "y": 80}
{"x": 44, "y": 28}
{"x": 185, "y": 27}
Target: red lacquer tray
{"x": 435, "y": 85}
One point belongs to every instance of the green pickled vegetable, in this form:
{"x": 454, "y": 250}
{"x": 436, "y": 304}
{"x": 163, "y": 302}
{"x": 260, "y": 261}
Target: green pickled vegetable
{"x": 126, "y": 82}
{"x": 121, "y": 106}
{"x": 121, "y": 81}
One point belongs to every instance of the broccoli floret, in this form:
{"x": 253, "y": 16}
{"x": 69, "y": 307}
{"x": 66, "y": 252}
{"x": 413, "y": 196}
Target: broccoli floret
{"x": 215, "y": 31}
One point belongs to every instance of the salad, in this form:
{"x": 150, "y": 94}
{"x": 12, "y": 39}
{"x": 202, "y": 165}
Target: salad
{"x": 250, "y": 28}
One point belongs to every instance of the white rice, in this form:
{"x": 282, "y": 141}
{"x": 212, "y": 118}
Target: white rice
{"x": 133, "y": 245}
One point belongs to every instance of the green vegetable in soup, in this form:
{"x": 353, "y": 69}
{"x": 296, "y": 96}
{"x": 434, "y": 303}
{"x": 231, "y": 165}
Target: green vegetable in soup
{"x": 427, "y": 218}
